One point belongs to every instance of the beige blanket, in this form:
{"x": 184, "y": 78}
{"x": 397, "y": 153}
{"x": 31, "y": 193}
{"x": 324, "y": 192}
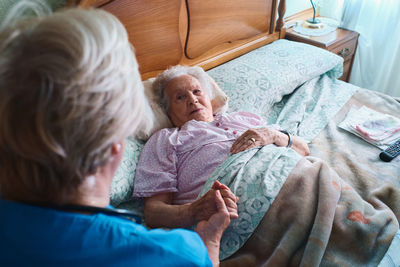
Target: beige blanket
{"x": 355, "y": 160}
{"x": 338, "y": 209}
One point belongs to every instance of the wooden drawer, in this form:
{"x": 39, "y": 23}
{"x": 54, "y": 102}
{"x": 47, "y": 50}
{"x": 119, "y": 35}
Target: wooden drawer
{"x": 345, "y": 50}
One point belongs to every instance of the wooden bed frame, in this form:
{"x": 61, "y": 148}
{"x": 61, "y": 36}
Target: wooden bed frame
{"x": 194, "y": 32}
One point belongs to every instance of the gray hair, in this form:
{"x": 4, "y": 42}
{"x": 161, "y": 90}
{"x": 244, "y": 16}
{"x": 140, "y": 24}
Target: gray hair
{"x": 162, "y": 80}
{"x": 69, "y": 89}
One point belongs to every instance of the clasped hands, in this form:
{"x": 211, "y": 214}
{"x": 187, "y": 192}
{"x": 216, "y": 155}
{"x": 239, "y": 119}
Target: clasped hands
{"x": 205, "y": 207}
{"x": 214, "y": 212}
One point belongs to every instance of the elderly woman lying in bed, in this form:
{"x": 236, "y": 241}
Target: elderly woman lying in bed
{"x": 176, "y": 162}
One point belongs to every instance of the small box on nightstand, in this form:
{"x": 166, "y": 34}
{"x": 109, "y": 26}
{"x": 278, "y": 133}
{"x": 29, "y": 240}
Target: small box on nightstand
{"x": 341, "y": 42}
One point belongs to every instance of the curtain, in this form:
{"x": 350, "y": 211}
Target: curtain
{"x": 377, "y": 60}
{"x": 6, "y": 4}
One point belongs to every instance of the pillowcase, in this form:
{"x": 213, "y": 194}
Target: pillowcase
{"x": 219, "y": 104}
{"x": 124, "y": 178}
{"x": 257, "y": 80}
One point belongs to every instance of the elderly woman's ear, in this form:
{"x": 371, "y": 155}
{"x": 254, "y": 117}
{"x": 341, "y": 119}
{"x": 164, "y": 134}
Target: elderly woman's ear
{"x": 112, "y": 163}
{"x": 117, "y": 148}
{"x": 117, "y": 152}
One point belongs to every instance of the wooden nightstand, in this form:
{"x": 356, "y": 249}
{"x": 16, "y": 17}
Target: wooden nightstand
{"x": 341, "y": 42}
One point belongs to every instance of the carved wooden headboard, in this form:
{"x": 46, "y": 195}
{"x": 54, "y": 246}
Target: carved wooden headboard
{"x": 194, "y": 32}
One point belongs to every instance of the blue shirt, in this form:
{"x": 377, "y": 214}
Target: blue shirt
{"x": 37, "y": 236}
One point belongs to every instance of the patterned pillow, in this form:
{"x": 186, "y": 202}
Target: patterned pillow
{"x": 259, "y": 79}
{"x": 124, "y": 178}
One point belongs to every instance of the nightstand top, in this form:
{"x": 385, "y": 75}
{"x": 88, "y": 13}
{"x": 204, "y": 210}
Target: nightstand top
{"x": 336, "y": 37}
{"x": 324, "y": 41}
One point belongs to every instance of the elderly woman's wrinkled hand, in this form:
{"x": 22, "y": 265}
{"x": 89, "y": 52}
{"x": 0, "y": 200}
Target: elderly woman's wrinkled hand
{"x": 211, "y": 230}
{"x": 265, "y": 136}
{"x": 205, "y": 207}
{"x": 254, "y": 138}
{"x": 229, "y": 198}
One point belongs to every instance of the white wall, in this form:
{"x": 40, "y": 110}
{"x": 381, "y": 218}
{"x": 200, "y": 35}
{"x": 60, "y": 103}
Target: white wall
{"x": 294, "y": 6}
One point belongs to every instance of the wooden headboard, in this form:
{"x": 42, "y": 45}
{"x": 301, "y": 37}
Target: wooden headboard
{"x": 194, "y": 32}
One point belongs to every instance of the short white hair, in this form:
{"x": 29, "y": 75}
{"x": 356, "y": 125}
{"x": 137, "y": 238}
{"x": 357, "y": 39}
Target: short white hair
{"x": 162, "y": 80}
{"x": 69, "y": 89}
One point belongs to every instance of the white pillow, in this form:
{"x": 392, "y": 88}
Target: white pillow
{"x": 219, "y": 104}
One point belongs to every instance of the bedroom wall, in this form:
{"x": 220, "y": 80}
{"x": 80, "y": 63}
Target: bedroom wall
{"x": 294, "y": 6}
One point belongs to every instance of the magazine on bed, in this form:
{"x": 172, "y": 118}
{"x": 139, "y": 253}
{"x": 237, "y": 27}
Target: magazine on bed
{"x": 374, "y": 127}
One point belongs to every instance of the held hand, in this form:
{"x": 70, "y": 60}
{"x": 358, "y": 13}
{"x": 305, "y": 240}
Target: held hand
{"x": 229, "y": 198}
{"x": 205, "y": 207}
{"x": 254, "y": 138}
{"x": 211, "y": 230}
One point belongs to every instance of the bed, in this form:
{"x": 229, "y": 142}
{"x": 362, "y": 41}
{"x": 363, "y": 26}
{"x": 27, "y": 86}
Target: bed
{"x": 338, "y": 207}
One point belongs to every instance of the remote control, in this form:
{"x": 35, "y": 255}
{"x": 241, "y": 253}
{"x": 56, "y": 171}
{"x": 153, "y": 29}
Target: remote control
{"x": 391, "y": 152}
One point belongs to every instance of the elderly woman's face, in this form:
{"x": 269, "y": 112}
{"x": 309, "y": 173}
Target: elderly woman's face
{"x": 187, "y": 101}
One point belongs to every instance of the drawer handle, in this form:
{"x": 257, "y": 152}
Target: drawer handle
{"x": 344, "y": 52}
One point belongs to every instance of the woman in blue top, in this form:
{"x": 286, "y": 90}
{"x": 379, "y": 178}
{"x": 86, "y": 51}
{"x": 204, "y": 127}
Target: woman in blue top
{"x": 70, "y": 93}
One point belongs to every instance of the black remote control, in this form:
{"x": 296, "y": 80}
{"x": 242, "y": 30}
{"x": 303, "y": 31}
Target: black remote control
{"x": 391, "y": 152}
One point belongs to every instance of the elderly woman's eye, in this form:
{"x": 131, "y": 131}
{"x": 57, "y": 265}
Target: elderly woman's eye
{"x": 196, "y": 91}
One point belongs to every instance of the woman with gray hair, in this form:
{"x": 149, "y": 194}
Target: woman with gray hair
{"x": 165, "y": 77}
{"x": 176, "y": 162}
{"x": 70, "y": 93}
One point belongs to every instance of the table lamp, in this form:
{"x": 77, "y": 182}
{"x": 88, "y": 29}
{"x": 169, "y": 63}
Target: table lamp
{"x": 313, "y": 22}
